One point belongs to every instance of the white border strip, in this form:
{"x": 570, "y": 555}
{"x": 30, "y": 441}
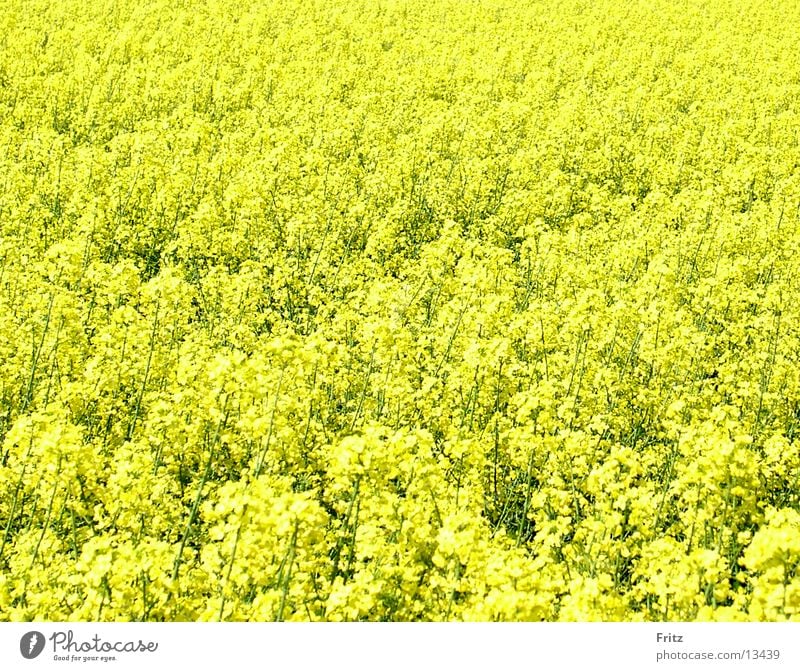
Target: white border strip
{"x": 385, "y": 647}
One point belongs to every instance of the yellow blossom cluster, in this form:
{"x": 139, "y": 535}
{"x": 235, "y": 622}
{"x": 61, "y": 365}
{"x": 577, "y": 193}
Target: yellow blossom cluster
{"x": 399, "y": 310}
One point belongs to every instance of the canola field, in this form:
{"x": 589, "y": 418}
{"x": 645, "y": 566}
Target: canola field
{"x": 399, "y": 310}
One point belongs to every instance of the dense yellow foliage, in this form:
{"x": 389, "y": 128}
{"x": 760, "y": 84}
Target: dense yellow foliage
{"x": 399, "y": 309}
